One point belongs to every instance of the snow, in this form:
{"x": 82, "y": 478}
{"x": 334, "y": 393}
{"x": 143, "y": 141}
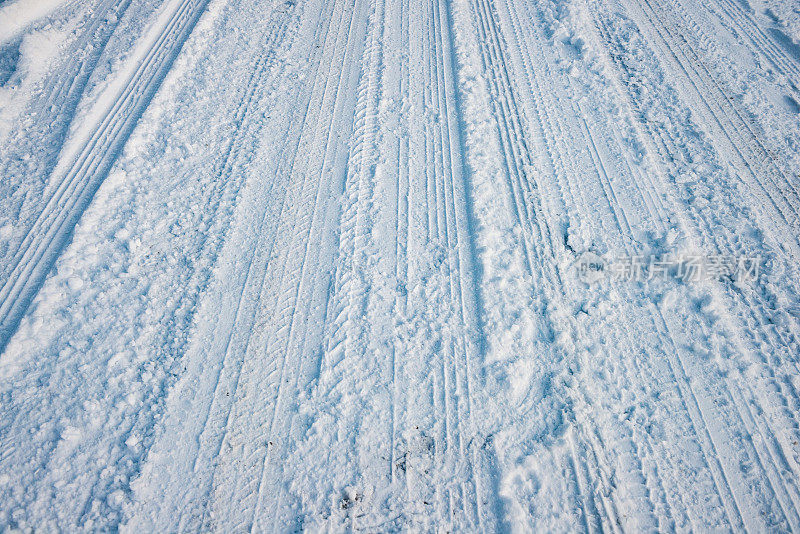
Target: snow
{"x": 346, "y": 265}
{"x": 17, "y": 15}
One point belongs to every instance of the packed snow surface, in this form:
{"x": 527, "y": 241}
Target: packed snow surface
{"x": 384, "y": 265}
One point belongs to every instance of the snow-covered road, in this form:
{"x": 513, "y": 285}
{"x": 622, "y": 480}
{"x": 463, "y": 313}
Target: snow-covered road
{"x": 382, "y": 265}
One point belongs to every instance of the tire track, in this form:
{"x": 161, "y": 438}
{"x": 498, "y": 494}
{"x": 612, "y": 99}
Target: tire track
{"x": 85, "y": 172}
{"x": 355, "y": 347}
{"x": 245, "y": 122}
{"x": 530, "y": 212}
{"x": 274, "y": 362}
{"x": 230, "y": 338}
{"x": 752, "y": 307}
{"x": 221, "y": 340}
{"x": 614, "y": 228}
{"x": 756, "y": 160}
{"x": 402, "y": 231}
{"x": 757, "y": 455}
{"x": 95, "y": 486}
{"x": 773, "y": 325}
{"x": 762, "y": 42}
{"x": 64, "y": 92}
{"x": 461, "y": 267}
{"x": 668, "y": 148}
{"x": 621, "y": 229}
{"x": 530, "y": 208}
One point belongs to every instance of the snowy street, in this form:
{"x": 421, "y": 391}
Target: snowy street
{"x": 398, "y": 265}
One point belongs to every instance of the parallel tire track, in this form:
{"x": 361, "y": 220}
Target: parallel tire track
{"x": 762, "y": 42}
{"x": 539, "y": 245}
{"x": 742, "y": 301}
{"x": 229, "y": 335}
{"x": 64, "y": 92}
{"x": 617, "y": 228}
{"x": 275, "y": 360}
{"x": 780, "y": 191}
{"x": 83, "y": 175}
{"x": 620, "y": 219}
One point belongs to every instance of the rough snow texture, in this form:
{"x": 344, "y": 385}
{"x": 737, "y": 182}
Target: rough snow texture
{"x": 283, "y": 265}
